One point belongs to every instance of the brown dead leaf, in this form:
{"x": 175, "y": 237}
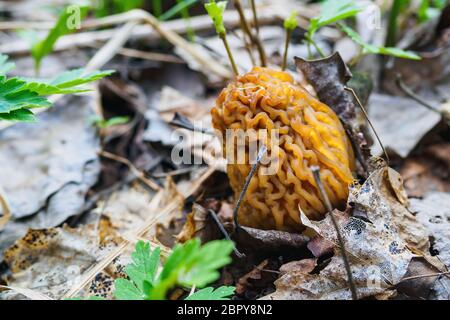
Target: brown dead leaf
{"x": 378, "y": 254}
{"x": 50, "y": 261}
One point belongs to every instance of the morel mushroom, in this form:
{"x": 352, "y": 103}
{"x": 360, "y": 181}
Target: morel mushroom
{"x": 310, "y": 134}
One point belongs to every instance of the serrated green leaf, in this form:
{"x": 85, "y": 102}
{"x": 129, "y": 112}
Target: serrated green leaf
{"x": 202, "y": 265}
{"x": 126, "y": 290}
{"x": 145, "y": 264}
{"x": 62, "y": 27}
{"x": 14, "y": 95}
{"x": 370, "y": 48}
{"x": 5, "y": 65}
{"x": 22, "y": 115}
{"x": 77, "y": 77}
{"x": 221, "y": 293}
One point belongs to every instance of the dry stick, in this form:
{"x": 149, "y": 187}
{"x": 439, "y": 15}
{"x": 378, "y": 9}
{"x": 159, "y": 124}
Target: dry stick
{"x": 5, "y": 209}
{"x": 139, "y": 174}
{"x": 356, "y": 147}
{"x": 368, "y": 120}
{"x": 414, "y": 96}
{"x": 316, "y": 172}
{"x": 246, "y": 28}
{"x": 255, "y": 16}
{"x": 425, "y": 276}
{"x": 224, "y": 232}
{"x": 262, "y": 151}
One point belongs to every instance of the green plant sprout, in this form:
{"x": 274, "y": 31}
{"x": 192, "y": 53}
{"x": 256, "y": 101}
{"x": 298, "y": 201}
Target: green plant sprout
{"x": 189, "y": 265}
{"x": 215, "y": 10}
{"x": 18, "y": 95}
{"x": 335, "y": 11}
{"x": 68, "y": 22}
{"x": 290, "y": 24}
{"x": 331, "y": 12}
{"x": 176, "y": 9}
{"x": 157, "y": 8}
{"x": 114, "y": 121}
{"x": 370, "y": 48}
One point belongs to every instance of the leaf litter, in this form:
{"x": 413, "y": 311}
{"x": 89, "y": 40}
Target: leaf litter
{"x": 393, "y": 240}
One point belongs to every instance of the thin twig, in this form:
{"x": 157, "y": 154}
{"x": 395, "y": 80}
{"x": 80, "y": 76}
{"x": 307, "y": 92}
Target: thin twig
{"x": 5, "y": 209}
{"x": 368, "y": 120}
{"x": 414, "y": 96}
{"x": 356, "y": 147}
{"x": 326, "y": 200}
{"x": 139, "y": 174}
{"x": 255, "y": 16}
{"x": 224, "y": 232}
{"x": 425, "y": 276}
{"x": 262, "y": 151}
{"x": 246, "y": 28}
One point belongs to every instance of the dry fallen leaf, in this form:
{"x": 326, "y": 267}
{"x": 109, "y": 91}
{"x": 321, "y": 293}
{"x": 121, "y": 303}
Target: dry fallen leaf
{"x": 50, "y": 261}
{"x": 379, "y": 256}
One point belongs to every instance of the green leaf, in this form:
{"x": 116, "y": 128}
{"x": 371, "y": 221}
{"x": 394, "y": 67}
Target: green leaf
{"x": 176, "y": 9}
{"x": 370, "y": 48}
{"x": 77, "y": 77}
{"x": 291, "y": 22}
{"x": 22, "y": 115}
{"x": 333, "y": 11}
{"x": 15, "y": 95}
{"x": 188, "y": 265}
{"x": 5, "y": 65}
{"x": 126, "y": 290}
{"x": 215, "y": 11}
{"x": 201, "y": 267}
{"x": 145, "y": 264}
{"x": 221, "y": 293}
{"x": 62, "y": 27}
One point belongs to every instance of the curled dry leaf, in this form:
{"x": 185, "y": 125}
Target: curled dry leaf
{"x": 49, "y": 261}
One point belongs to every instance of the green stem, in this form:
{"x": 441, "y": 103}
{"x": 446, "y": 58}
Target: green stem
{"x": 157, "y": 8}
{"x": 391, "y": 37}
{"x": 187, "y": 18}
{"x": 286, "y": 48}
{"x": 223, "y": 36}
{"x": 318, "y": 49}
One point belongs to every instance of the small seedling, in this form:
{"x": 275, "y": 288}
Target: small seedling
{"x": 331, "y": 11}
{"x": 215, "y": 11}
{"x": 115, "y": 121}
{"x": 18, "y": 96}
{"x": 289, "y": 25}
{"x": 189, "y": 265}
{"x": 64, "y": 25}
